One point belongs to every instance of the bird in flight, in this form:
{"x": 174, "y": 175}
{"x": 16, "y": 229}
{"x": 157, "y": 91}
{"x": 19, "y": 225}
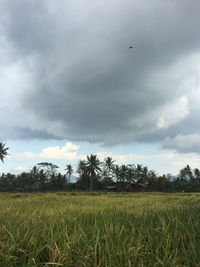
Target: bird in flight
{"x": 130, "y": 47}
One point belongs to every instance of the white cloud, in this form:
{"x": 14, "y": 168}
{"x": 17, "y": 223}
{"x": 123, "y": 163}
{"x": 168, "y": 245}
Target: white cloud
{"x": 68, "y": 151}
{"x": 19, "y": 170}
{"x": 121, "y": 158}
{"x": 59, "y": 153}
{"x": 178, "y": 160}
{"x": 173, "y": 112}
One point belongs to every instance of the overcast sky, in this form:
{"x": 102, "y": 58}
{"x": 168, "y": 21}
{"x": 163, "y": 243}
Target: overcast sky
{"x": 69, "y": 80}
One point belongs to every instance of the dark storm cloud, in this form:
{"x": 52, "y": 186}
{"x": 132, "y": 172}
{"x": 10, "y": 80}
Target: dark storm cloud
{"x": 25, "y": 133}
{"x": 86, "y": 84}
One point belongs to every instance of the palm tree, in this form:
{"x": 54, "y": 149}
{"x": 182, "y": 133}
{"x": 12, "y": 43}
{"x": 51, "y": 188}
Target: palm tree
{"x": 144, "y": 175}
{"x": 34, "y": 174}
{"x": 138, "y": 172}
{"x": 108, "y": 164}
{"x": 92, "y": 168}
{"x": 117, "y": 172}
{"x": 69, "y": 171}
{"x": 152, "y": 180}
{"x": 197, "y": 174}
{"x": 108, "y": 169}
{"x": 123, "y": 173}
{"x": 130, "y": 175}
{"x": 81, "y": 167}
{"x": 83, "y": 181}
{"x": 3, "y": 151}
{"x": 186, "y": 174}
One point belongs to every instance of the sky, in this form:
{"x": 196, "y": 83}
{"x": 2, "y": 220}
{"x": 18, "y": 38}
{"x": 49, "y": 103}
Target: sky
{"x": 71, "y": 86}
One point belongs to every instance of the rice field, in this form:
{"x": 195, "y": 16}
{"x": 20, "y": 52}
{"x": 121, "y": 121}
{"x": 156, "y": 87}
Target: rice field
{"x": 76, "y": 229}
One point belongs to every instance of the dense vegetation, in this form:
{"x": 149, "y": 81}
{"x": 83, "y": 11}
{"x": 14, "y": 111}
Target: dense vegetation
{"x": 96, "y": 175}
{"x": 96, "y": 229}
{"x": 44, "y": 177}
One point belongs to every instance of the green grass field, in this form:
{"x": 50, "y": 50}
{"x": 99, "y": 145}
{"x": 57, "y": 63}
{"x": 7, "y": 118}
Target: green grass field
{"x": 74, "y": 229}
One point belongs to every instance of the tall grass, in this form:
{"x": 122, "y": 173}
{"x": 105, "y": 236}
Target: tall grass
{"x": 133, "y": 229}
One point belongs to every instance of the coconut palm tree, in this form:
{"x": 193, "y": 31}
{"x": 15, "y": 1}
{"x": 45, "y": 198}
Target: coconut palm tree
{"x": 83, "y": 181}
{"x": 108, "y": 169}
{"x": 144, "y": 175}
{"x": 138, "y": 172}
{"x": 117, "y": 172}
{"x": 81, "y": 167}
{"x": 123, "y": 173}
{"x": 197, "y": 174}
{"x": 69, "y": 171}
{"x": 186, "y": 174}
{"x": 92, "y": 168}
{"x": 130, "y": 175}
{"x": 3, "y": 151}
{"x": 108, "y": 164}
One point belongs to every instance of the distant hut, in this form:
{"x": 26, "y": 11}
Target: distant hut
{"x": 111, "y": 188}
{"x": 123, "y": 186}
{"x": 126, "y": 187}
{"x": 139, "y": 187}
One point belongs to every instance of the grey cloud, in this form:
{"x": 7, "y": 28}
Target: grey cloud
{"x": 25, "y": 134}
{"x": 86, "y": 84}
{"x": 183, "y": 143}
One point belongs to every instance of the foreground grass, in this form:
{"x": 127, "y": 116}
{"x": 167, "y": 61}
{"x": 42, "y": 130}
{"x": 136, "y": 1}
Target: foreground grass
{"x": 134, "y": 229}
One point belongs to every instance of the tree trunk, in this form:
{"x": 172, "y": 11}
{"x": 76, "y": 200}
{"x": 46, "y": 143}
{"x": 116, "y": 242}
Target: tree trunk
{"x": 92, "y": 181}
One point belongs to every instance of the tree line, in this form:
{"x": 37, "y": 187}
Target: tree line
{"x": 93, "y": 174}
